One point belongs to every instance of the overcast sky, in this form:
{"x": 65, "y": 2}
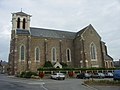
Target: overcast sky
{"x": 68, "y": 15}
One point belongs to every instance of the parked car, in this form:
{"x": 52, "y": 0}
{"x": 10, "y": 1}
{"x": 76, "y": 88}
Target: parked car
{"x": 101, "y": 75}
{"x": 95, "y": 75}
{"x": 98, "y": 75}
{"x": 109, "y": 75}
{"x": 116, "y": 75}
{"x": 83, "y": 76}
{"x": 58, "y": 76}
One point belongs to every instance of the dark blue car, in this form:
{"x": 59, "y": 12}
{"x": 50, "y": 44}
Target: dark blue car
{"x": 116, "y": 75}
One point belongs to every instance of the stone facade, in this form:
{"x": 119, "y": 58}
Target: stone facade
{"x": 76, "y": 49}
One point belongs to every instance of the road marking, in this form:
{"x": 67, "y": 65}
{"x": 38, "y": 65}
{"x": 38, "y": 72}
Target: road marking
{"x": 41, "y": 83}
{"x": 38, "y": 83}
{"x": 10, "y": 76}
{"x": 88, "y": 86}
{"x": 43, "y": 87}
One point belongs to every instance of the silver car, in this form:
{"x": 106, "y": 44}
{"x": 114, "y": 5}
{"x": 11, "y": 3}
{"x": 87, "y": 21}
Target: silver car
{"x": 58, "y": 76}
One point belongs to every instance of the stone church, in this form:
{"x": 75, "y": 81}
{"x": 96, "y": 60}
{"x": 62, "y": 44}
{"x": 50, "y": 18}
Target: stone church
{"x": 30, "y": 47}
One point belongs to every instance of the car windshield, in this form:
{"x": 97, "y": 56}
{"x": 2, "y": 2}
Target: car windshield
{"x": 95, "y": 73}
{"x": 87, "y": 74}
{"x": 110, "y": 74}
{"x": 100, "y": 73}
{"x": 60, "y": 74}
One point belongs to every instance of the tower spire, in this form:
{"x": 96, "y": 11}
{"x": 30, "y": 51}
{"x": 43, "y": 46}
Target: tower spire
{"x": 21, "y": 9}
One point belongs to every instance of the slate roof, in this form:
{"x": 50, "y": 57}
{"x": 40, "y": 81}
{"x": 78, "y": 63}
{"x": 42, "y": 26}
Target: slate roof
{"x": 81, "y": 31}
{"x": 22, "y": 14}
{"x": 107, "y": 57}
{"x": 49, "y": 33}
{"x": 22, "y": 32}
{"x": 117, "y": 63}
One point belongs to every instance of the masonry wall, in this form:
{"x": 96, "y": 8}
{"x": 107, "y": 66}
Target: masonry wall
{"x": 45, "y": 45}
{"x": 20, "y": 65}
{"x": 78, "y": 52}
{"x": 91, "y": 36}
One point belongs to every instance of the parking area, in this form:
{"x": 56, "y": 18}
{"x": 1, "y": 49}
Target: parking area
{"x": 107, "y": 87}
{"x": 50, "y": 84}
{"x": 67, "y": 84}
{"x": 75, "y": 84}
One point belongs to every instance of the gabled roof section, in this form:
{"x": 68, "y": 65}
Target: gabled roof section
{"x": 79, "y": 33}
{"x": 82, "y": 31}
{"x": 91, "y": 27}
{"x": 49, "y": 33}
{"x": 107, "y": 57}
{"x": 22, "y": 14}
{"x": 22, "y": 32}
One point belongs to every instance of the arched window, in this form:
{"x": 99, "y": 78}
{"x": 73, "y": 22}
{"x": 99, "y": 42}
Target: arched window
{"x": 111, "y": 64}
{"x": 86, "y": 62}
{"x": 22, "y": 52}
{"x": 37, "y": 54}
{"x": 53, "y": 52}
{"x": 18, "y": 23}
{"x": 68, "y": 55}
{"x": 24, "y": 23}
{"x": 106, "y": 64}
{"x": 93, "y": 51}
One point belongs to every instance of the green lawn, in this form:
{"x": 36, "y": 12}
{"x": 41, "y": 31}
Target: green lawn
{"x": 102, "y": 82}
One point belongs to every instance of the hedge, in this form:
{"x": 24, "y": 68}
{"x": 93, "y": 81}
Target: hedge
{"x": 73, "y": 69}
{"x": 27, "y": 74}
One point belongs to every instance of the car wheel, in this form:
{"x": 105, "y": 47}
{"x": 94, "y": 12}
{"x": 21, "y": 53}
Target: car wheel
{"x": 57, "y": 78}
{"x": 114, "y": 79}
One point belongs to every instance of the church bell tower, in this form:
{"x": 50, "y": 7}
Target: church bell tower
{"x": 20, "y": 20}
{"x": 20, "y": 23}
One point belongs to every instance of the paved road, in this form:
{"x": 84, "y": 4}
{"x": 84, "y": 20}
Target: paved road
{"x": 68, "y": 84}
{"x": 10, "y": 83}
{"x": 13, "y": 83}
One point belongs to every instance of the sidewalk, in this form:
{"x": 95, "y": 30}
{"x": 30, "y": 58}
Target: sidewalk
{"x": 26, "y": 80}
{"x": 103, "y": 86}
{"x": 107, "y": 87}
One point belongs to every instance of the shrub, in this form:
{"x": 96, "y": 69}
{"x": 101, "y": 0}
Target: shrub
{"x": 47, "y": 69}
{"x": 34, "y": 73}
{"x": 22, "y": 74}
{"x": 35, "y": 77}
{"x": 63, "y": 64}
{"x": 71, "y": 74}
{"x": 27, "y": 74}
{"x": 41, "y": 74}
{"x": 48, "y": 64}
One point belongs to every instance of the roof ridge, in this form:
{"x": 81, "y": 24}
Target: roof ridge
{"x": 42, "y": 32}
{"x": 52, "y": 29}
{"x": 22, "y": 13}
